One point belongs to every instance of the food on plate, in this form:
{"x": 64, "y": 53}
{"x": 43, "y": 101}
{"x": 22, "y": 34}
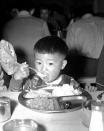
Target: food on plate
{"x": 8, "y": 60}
{"x": 53, "y": 90}
{"x": 43, "y": 103}
{"x": 42, "y": 100}
{"x": 65, "y": 90}
{"x": 37, "y": 93}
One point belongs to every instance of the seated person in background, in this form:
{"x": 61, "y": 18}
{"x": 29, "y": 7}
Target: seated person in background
{"x": 85, "y": 39}
{"x": 100, "y": 72}
{"x": 24, "y": 30}
{"x": 49, "y": 60}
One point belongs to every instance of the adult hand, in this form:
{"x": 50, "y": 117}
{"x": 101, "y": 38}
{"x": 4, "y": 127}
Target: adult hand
{"x": 22, "y": 71}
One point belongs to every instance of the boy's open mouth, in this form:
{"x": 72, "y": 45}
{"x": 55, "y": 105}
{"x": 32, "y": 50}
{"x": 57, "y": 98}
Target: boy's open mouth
{"x": 44, "y": 77}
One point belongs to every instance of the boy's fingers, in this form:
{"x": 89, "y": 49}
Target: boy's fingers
{"x": 90, "y": 88}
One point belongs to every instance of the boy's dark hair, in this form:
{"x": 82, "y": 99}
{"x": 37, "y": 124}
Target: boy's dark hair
{"x": 51, "y": 44}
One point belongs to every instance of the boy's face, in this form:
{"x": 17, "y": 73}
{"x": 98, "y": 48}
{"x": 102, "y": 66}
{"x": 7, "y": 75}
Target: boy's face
{"x": 49, "y": 64}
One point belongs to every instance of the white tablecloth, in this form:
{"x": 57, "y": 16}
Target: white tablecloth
{"x": 47, "y": 121}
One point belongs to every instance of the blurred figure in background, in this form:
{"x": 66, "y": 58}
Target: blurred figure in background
{"x": 14, "y": 12}
{"x": 44, "y": 13}
{"x": 59, "y": 20}
{"x": 24, "y": 30}
{"x": 54, "y": 16}
{"x": 85, "y": 39}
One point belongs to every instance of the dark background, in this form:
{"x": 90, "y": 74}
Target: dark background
{"x": 67, "y": 6}
{"x": 5, "y": 4}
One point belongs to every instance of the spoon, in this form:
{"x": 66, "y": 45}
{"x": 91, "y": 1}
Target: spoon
{"x": 40, "y": 75}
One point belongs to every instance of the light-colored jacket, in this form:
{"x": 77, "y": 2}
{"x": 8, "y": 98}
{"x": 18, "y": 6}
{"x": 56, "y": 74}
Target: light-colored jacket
{"x": 86, "y": 36}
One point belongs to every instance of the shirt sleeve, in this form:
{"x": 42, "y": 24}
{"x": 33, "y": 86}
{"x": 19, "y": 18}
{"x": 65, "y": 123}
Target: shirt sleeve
{"x": 15, "y": 85}
{"x": 69, "y": 80}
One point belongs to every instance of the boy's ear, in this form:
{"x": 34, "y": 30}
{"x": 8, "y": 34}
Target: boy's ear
{"x": 64, "y": 64}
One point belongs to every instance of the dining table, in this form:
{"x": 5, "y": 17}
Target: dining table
{"x": 47, "y": 121}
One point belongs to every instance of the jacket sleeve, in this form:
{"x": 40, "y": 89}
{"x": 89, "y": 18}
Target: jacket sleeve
{"x": 15, "y": 85}
{"x": 2, "y": 85}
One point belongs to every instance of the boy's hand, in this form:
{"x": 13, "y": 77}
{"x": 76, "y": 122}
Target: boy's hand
{"x": 74, "y": 83}
{"x": 90, "y": 88}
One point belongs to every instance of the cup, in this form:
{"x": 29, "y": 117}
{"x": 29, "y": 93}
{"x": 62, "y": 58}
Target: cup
{"x": 21, "y": 125}
{"x": 5, "y": 109}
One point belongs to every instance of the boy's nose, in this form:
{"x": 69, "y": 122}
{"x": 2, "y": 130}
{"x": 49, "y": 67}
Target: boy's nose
{"x": 44, "y": 68}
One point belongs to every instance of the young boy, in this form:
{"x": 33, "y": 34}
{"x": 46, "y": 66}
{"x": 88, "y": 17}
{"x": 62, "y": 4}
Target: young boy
{"x": 49, "y": 60}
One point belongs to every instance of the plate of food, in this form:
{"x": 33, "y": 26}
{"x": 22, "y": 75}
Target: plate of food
{"x": 44, "y": 101}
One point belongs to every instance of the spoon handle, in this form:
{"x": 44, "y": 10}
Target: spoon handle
{"x": 38, "y": 73}
{"x": 33, "y": 69}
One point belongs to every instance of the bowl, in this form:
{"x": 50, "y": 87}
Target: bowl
{"x": 20, "y": 125}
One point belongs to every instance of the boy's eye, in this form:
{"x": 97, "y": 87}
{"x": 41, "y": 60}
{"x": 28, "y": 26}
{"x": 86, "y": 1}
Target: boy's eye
{"x": 50, "y": 63}
{"x": 39, "y": 63}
